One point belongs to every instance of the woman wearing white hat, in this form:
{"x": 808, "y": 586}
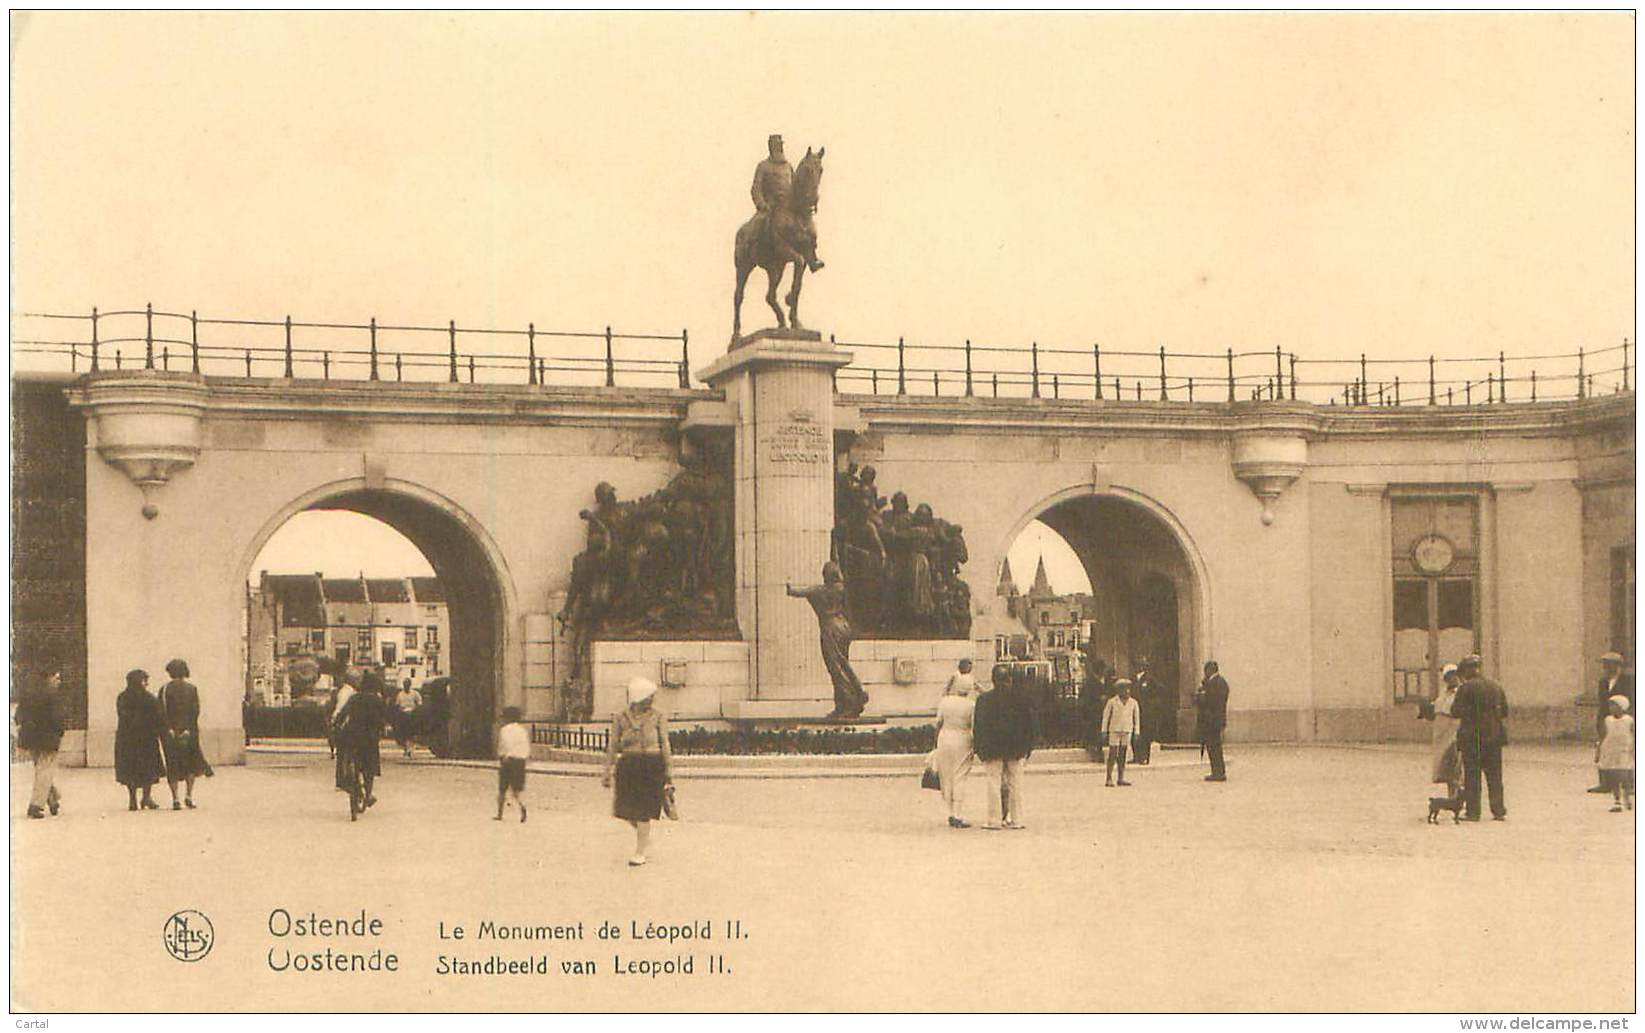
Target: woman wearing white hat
{"x": 1446, "y": 763}
{"x": 638, "y": 750}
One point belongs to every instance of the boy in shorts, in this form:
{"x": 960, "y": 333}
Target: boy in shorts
{"x": 513, "y": 748}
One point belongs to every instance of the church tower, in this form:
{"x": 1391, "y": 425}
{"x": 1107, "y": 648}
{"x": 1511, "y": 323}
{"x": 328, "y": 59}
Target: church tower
{"x": 1042, "y": 584}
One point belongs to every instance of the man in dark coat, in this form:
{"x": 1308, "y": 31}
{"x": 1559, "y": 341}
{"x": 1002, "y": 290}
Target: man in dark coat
{"x": 1612, "y": 682}
{"x": 1481, "y": 710}
{"x": 1211, "y": 700}
{"x": 39, "y": 733}
{"x": 1146, "y": 691}
{"x": 1004, "y": 732}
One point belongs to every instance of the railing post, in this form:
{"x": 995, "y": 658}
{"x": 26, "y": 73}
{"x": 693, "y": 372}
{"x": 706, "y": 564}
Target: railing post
{"x": 74, "y": 357}
{"x": 1433, "y": 398}
{"x": 1450, "y": 396}
{"x": 902, "y": 370}
{"x": 94, "y": 366}
{"x": 1624, "y": 364}
{"x": 117, "y": 363}
{"x": 1467, "y": 392}
{"x": 874, "y": 381}
{"x": 471, "y": 369}
{"x": 1230, "y": 374}
{"x": 1056, "y": 386}
{"x": 610, "y": 361}
{"x": 1163, "y": 396}
{"x": 373, "y": 374}
{"x": 1490, "y": 388}
{"x": 325, "y": 365}
{"x": 968, "y": 367}
{"x": 1533, "y": 385}
{"x": 1279, "y": 370}
{"x": 194, "y": 339}
{"x": 165, "y": 357}
{"x": 248, "y": 363}
{"x": 531, "y": 353}
{"x": 1293, "y": 376}
{"x": 685, "y": 358}
{"x": 1190, "y": 389}
{"x": 1581, "y": 379}
{"x": 399, "y": 373}
{"x": 1036, "y": 355}
{"x": 451, "y": 330}
{"x": 1502, "y": 380}
{"x": 1118, "y": 395}
{"x": 148, "y": 336}
{"x": 289, "y": 371}
{"x": 996, "y": 378}
{"x": 1096, "y": 363}
{"x": 1396, "y": 389}
{"x": 1139, "y": 390}
{"x": 936, "y": 386}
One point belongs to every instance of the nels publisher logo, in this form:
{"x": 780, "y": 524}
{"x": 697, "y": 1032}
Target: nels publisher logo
{"x": 188, "y": 936}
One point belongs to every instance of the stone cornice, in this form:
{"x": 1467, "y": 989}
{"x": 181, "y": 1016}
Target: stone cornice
{"x": 394, "y": 402}
{"x": 390, "y": 401}
{"x": 1024, "y": 415}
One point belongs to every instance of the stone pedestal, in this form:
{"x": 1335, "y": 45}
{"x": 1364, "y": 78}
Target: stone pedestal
{"x": 780, "y": 386}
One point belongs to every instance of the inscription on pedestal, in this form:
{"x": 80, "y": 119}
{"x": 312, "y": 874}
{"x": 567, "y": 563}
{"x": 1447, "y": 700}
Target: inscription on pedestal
{"x": 798, "y": 440}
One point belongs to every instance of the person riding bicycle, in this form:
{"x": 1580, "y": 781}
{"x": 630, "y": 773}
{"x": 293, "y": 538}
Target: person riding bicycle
{"x": 359, "y": 730}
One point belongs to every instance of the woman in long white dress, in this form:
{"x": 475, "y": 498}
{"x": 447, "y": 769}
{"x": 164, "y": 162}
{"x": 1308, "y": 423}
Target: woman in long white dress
{"x": 1445, "y": 762}
{"x": 955, "y": 712}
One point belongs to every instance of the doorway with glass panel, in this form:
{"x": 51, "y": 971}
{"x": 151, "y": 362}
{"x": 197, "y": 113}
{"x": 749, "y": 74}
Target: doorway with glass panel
{"x": 1436, "y": 589}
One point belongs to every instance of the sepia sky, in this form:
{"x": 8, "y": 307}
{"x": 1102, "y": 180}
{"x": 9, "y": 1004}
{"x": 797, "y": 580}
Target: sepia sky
{"x": 1396, "y": 184}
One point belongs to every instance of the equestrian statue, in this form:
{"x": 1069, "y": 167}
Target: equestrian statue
{"x": 781, "y": 233}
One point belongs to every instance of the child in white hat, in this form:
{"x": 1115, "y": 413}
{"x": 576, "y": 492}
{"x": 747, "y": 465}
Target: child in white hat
{"x": 1616, "y": 754}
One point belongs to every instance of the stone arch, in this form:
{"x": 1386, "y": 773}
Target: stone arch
{"x": 480, "y": 593}
{"x": 1084, "y": 515}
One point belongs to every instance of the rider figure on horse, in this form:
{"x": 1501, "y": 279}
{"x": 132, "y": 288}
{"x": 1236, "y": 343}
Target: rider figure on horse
{"x": 773, "y": 180}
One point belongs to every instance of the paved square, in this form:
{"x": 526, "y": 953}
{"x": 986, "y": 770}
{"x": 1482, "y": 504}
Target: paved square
{"x": 1311, "y": 881}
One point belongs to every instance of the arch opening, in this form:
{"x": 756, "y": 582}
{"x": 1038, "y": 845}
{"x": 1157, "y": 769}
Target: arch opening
{"x": 1145, "y": 603}
{"x": 460, "y": 651}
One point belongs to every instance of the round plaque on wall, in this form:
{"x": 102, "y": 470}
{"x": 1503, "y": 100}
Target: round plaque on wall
{"x": 1433, "y": 554}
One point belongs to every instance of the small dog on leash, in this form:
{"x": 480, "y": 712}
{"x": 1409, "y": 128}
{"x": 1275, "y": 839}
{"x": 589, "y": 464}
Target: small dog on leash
{"x": 1444, "y": 803}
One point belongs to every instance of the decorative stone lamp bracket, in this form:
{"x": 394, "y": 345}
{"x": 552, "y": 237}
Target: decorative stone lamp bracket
{"x": 146, "y": 423}
{"x": 1270, "y": 451}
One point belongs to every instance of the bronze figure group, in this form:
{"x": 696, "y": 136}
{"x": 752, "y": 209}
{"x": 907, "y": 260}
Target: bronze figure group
{"x": 661, "y": 566}
{"x": 901, "y": 565}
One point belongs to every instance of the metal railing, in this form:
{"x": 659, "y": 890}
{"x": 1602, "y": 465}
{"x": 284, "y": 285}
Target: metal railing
{"x": 148, "y": 338}
{"x": 1106, "y": 374}
{"x": 152, "y": 339}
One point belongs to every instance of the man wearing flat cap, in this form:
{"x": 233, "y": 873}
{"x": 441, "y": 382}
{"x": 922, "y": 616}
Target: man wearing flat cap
{"x": 1481, "y": 710}
{"x": 1612, "y": 682}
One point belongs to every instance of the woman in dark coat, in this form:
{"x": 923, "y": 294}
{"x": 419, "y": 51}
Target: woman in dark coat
{"x": 137, "y": 731}
{"x": 180, "y": 703}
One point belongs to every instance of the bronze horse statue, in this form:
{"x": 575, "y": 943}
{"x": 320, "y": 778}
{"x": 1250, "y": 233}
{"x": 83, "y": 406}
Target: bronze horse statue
{"x": 790, "y": 239}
